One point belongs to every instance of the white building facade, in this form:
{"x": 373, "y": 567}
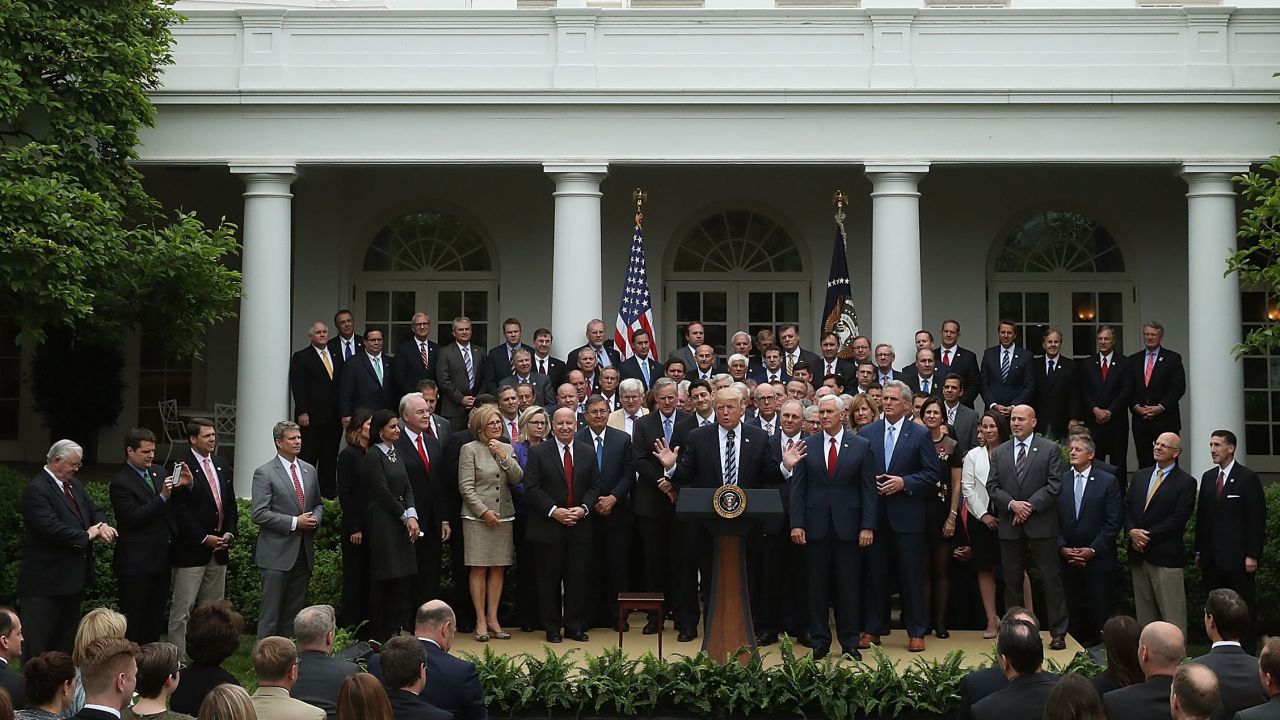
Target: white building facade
{"x": 1054, "y": 164}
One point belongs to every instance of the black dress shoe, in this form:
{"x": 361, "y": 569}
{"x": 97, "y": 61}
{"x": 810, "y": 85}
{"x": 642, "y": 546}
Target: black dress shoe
{"x": 941, "y": 634}
{"x": 1059, "y": 642}
{"x": 805, "y": 640}
{"x": 854, "y": 654}
{"x": 686, "y": 636}
{"x": 819, "y": 653}
{"x": 651, "y": 627}
{"x": 578, "y": 637}
{"x": 765, "y": 639}
{"x": 554, "y": 638}
{"x": 624, "y": 627}
{"x": 527, "y": 628}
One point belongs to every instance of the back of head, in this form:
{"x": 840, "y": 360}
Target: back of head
{"x": 401, "y": 661}
{"x": 213, "y": 632}
{"x": 157, "y": 662}
{"x": 273, "y": 658}
{"x": 313, "y": 624}
{"x": 1269, "y": 660}
{"x": 1195, "y": 687}
{"x": 1120, "y": 638}
{"x": 362, "y": 697}
{"x": 44, "y": 674}
{"x": 1017, "y": 612}
{"x": 432, "y": 618}
{"x": 1164, "y": 647}
{"x": 98, "y": 623}
{"x": 1019, "y": 644}
{"x": 1074, "y": 698}
{"x": 227, "y": 702}
{"x": 105, "y": 660}
{"x": 1229, "y": 611}
{"x": 6, "y": 705}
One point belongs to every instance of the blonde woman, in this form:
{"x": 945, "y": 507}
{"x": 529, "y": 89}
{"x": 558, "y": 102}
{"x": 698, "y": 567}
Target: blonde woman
{"x": 227, "y": 702}
{"x": 97, "y": 624}
{"x": 486, "y": 468}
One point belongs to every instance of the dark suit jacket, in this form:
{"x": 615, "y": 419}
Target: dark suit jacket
{"x": 699, "y": 464}
{"x": 1143, "y": 701}
{"x": 1269, "y": 710}
{"x": 12, "y": 682}
{"x": 1238, "y": 680}
{"x": 335, "y": 345}
{"x": 142, "y": 517}
{"x": 916, "y": 461}
{"x": 315, "y": 394}
{"x": 964, "y": 364}
{"x": 430, "y": 496}
{"x": 844, "y": 503}
{"x": 1110, "y": 394}
{"x": 844, "y": 368}
{"x": 353, "y": 494}
{"x": 809, "y": 356}
{"x": 497, "y": 365}
{"x": 545, "y": 487}
{"x": 1057, "y": 396}
{"x": 57, "y": 556}
{"x": 359, "y": 387}
{"x": 1023, "y": 699}
{"x": 197, "y": 680}
{"x": 93, "y": 714}
{"x": 630, "y": 368}
{"x": 1168, "y": 385}
{"x": 648, "y": 499}
{"x": 571, "y": 360}
{"x": 542, "y": 390}
{"x": 453, "y": 685}
{"x": 1165, "y": 518}
{"x": 319, "y": 677}
{"x": 618, "y": 474}
{"x": 911, "y": 376}
{"x": 555, "y": 371}
{"x": 1100, "y": 517}
{"x": 1018, "y": 389}
{"x": 451, "y": 376}
{"x": 761, "y": 374}
{"x": 1230, "y": 526}
{"x": 1039, "y": 486}
{"x": 977, "y": 685}
{"x": 407, "y": 369}
{"x": 407, "y": 706}
{"x": 195, "y": 513}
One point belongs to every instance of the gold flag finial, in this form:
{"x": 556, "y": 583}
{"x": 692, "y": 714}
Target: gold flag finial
{"x": 639, "y": 197}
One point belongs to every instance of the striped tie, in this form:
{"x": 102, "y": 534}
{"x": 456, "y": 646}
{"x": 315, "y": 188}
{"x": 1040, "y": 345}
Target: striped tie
{"x": 730, "y": 460}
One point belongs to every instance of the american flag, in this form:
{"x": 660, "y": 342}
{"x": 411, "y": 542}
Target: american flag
{"x": 635, "y": 311}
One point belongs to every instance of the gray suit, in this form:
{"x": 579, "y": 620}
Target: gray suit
{"x": 542, "y": 391}
{"x": 319, "y": 677}
{"x": 1238, "y": 680}
{"x": 686, "y": 356}
{"x": 454, "y": 384}
{"x": 284, "y": 553}
{"x": 1038, "y": 482}
{"x": 965, "y": 428}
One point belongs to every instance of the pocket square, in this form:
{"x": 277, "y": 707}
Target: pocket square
{"x": 1233, "y": 497}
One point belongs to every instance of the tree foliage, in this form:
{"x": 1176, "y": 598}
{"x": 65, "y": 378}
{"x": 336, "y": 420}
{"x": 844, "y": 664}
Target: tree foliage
{"x": 85, "y": 247}
{"x": 1258, "y": 260}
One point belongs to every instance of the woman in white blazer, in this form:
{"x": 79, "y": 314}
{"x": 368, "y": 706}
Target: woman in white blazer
{"x": 993, "y": 429}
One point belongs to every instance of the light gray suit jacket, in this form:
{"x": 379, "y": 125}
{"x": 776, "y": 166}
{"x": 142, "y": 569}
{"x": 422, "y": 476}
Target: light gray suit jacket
{"x": 275, "y": 508}
{"x": 451, "y": 378}
{"x": 684, "y": 353}
{"x": 1040, "y": 487}
{"x": 965, "y": 430}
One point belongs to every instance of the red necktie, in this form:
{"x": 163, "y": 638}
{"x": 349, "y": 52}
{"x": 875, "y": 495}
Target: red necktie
{"x": 431, "y": 427}
{"x": 1222, "y": 482}
{"x": 297, "y": 487}
{"x": 568, "y": 474}
{"x": 71, "y": 499}
{"x": 514, "y": 432}
{"x": 422, "y": 453}
{"x": 946, "y": 357}
{"x": 422, "y": 352}
{"x": 831, "y": 459}
{"x": 1104, "y": 369}
{"x": 1151, "y": 363}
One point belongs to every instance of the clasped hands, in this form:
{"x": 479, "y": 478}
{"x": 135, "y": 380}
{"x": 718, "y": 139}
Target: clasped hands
{"x": 103, "y": 533}
{"x": 569, "y": 516}
{"x": 1021, "y": 510}
{"x": 1077, "y": 557}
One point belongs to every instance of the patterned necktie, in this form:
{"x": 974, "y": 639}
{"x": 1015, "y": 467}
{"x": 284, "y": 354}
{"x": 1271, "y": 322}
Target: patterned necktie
{"x": 1080, "y": 481}
{"x": 946, "y": 357}
{"x": 1004, "y": 366}
{"x": 422, "y": 453}
{"x": 542, "y": 366}
{"x": 1222, "y": 482}
{"x": 790, "y": 364}
{"x": 213, "y": 488}
{"x": 297, "y": 487}
{"x": 730, "y": 460}
{"x": 568, "y": 474}
{"x": 1155, "y": 485}
{"x": 376, "y": 363}
{"x": 1104, "y": 369}
{"x": 1020, "y": 465}
{"x": 831, "y": 368}
{"x": 666, "y": 430}
{"x": 431, "y": 426}
{"x": 831, "y": 459}
{"x": 1049, "y": 370}
{"x": 422, "y": 353}
{"x": 951, "y": 417}
{"x": 602, "y": 357}
{"x": 1151, "y": 363}
{"x": 471, "y": 369}
{"x": 888, "y": 445}
{"x": 924, "y": 386}
{"x": 328, "y": 365}
{"x": 515, "y": 431}
{"x": 71, "y": 499}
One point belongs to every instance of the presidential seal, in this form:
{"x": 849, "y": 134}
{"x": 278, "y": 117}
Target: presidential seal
{"x": 729, "y": 501}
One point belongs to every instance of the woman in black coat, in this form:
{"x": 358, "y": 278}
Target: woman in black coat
{"x": 391, "y": 528}
{"x": 354, "y": 499}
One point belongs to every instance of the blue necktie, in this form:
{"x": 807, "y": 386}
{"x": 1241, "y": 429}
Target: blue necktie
{"x": 888, "y": 446}
{"x": 730, "y": 460}
{"x": 666, "y": 430}
{"x": 644, "y": 370}
{"x": 600, "y": 453}
{"x": 1004, "y": 366}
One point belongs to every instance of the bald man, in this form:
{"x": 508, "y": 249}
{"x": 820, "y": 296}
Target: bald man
{"x": 1161, "y": 648}
{"x": 1026, "y": 476}
{"x": 1156, "y": 511}
{"x": 1196, "y": 693}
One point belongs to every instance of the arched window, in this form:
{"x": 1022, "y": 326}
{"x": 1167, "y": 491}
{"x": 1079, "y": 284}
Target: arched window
{"x": 1059, "y": 241}
{"x": 737, "y": 241}
{"x": 427, "y": 241}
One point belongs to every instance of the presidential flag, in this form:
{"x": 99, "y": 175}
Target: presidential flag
{"x": 635, "y": 311}
{"x": 839, "y": 315}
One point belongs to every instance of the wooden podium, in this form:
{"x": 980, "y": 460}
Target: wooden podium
{"x": 727, "y": 624}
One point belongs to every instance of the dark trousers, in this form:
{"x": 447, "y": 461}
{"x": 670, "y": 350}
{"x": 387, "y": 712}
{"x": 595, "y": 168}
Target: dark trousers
{"x": 526, "y": 572}
{"x": 664, "y": 572}
{"x": 1016, "y": 557}
{"x": 48, "y": 623}
{"x": 839, "y": 562}
{"x": 388, "y": 607}
{"x": 780, "y": 591}
{"x": 425, "y": 584}
{"x": 562, "y": 585}
{"x": 1088, "y": 594}
{"x": 320, "y": 448}
{"x": 142, "y": 600}
{"x": 1145, "y": 433}
{"x": 1246, "y": 584}
{"x": 355, "y": 589}
{"x": 284, "y": 594}
{"x": 1112, "y": 441}
{"x": 612, "y": 568}
{"x": 905, "y": 552}
{"x": 691, "y": 552}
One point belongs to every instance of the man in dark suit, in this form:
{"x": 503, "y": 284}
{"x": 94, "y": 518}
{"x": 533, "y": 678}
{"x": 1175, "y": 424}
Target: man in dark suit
{"x": 1160, "y": 650}
{"x": 423, "y": 458}
{"x": 1269, "y": 672}
{"x": 655, "y": 497}
{"x": 1226, "y": 622}
{"x": 414, "y": 359}
{"x": 885, "y": 356}
{"x": 458, "y": 374}
{"x": 1090, "y": 508}
{"x": 980, "y": 683}
{"x": 706, "y": 365}
{"x": 1197, "y": 693}
{"x": 1025, "y": 479}
{"x": 562, "y": 484}
{"x": 403, "y": 667}
{"x": 109, "y": 675}
{"x": 641, "y": 365}
{"x": 906, "y": 477}
{"x": 140, "y": 499}
{"x": 319, "y": 674}
{"x": 204, "y": 517}
{"x": 772, "y": 370}
{"x": 831, "y": 363}
{"x": 1231, "y": 522}
{"x": 923, "y": 376}
{"x": 346, "y": 343}
{"x": 366, "y": 379}
{"x": 314, "y": 373}
{"x": 1007, "y": 378}
{"x": 792, "y": 353}
{"x": 1105, "y": 385}
{"x": 606, "y": 355}
{"x": 452, "y": 683}
{"x": 694, "y": 333}
{"x": 1020, "y": 652}
{"x": 522, "y": 373}
{"x": 552, "y": 367}
{"x": 61, "y": 523}
{"x": 1057, "y": 392}
{"x": 10, "y": 651}
{"x": 780, "y": 595}
{"x": 833, "y": 512}
{"x": 612, "y": 510}
{"x": 959, "y": 361}
{"x": 1157, "y": 508}
{"x": 961, "y": 420}
{"x": 499, "y": 363}
{"x": 1159, "y": 382}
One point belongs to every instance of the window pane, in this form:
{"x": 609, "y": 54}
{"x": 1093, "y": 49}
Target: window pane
{"x": 1010, "y": 306}
{"x": 715, "y": 307}
{"x": 760, "y": 307}
{"x": 1037, "y": 307}
{"x": 1253, "y": 307}
{"x": 1082, "y": 338}
{"x": 1111, "y": 307}
{"x": 377, "y": 306}
{"x": 1255, "y": 372}
{"x": 787, "y": 306}
{"x": 717, "y": 337}
{"x": 476, "y": 303}
{"x": 1257, "y": 439}
{"x": 688, "y": 307}
{"x": 1034, "y": 337}
{"x": 402, "y": 306}
{"x": 1255, "y": 406}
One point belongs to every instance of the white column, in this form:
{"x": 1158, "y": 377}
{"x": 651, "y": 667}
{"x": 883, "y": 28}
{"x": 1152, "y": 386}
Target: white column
{"x": 1213, "y": 302}
{"x": 896, "y": 295}
{"x": 262, "y": 388}
{"x": 576, "y": 271}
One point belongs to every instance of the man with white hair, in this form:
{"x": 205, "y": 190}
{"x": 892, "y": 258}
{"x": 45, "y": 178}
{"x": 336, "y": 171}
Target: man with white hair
{"x": 631, "y": 397}
{"x": 319, "y": 674}
{"x": 61, "y": 522}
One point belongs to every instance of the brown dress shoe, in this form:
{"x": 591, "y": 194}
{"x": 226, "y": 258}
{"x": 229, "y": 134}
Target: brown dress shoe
{"x": 915, "y": 644}
{"x": 1059, "y": 642}
{"x": 866, "y": 640}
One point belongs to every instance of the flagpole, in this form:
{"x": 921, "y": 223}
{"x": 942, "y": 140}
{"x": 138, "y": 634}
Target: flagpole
{"x": 639, "y": 197}
{"x": 840, "y": 200}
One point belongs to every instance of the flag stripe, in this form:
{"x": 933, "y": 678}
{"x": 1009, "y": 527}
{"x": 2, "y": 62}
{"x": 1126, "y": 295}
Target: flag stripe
{"x": 635, "y": 309}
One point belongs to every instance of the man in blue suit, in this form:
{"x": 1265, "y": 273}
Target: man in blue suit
{"x": 906, "y": 474}
{"x": 1090, "y": 513}
{"x": 452, "y": 683}
{"x": 833, "y": 515}
{"x": 1007, "y": 377}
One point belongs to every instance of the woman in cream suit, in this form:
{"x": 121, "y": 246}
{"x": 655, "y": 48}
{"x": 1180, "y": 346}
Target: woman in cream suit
{"x": 485, "y": 469}
{"x": 993, "y": 429}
